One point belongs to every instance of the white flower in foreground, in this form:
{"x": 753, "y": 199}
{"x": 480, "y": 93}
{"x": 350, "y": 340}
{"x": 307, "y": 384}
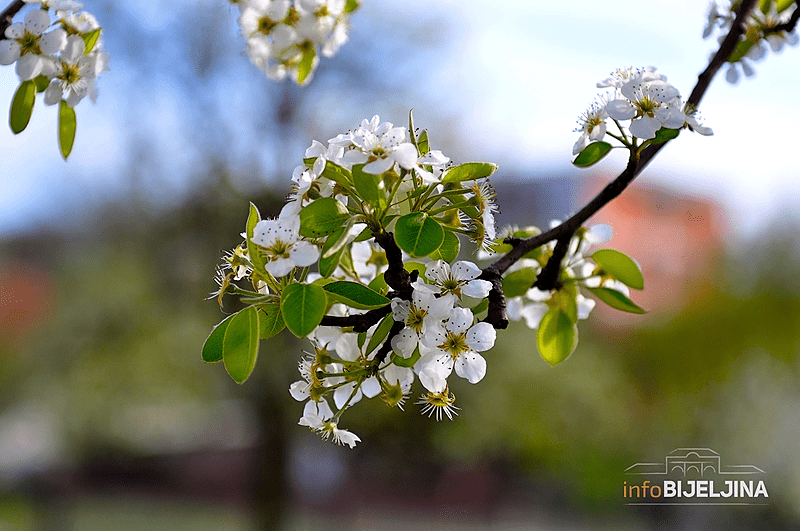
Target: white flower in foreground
{"x": 27, "y": 43}
{"x": 280, "y": 240}
{"x": 591, "y": 125}
{"x": 456, "y": 345}
{"x": 421, "y": 312}
{"x": 462, "y": 279}
{"x": 74, "y": 74}
{"x": 647, "y": 103}
{"x": 379, "y": 147}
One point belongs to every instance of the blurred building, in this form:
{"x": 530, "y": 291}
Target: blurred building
{"x": 677, "y": 239}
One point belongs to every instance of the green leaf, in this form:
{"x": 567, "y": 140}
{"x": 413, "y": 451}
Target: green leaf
{"x": 422, "y": 142}
{"x": 379, "y": 285}
{"x": 591, "y": 154}
{"x": 66, "y": 128}
{"x": 449, "y": 249}
{"x": 418, "y": 234}
{"x": 764, "y": 5}
{"x": 240, "y": 346}
{"x": 306, "y": 65}
{"x": 270, "y": 321}
{"x": 380, "y": 334}
{"x": 90, "y": 39}
{"x": 518, "y": 282}
{"x": 664, "y": 134}
{"x": 22, "y": 106}
{"x": 256, "y": 258}
{"x": 42, "y": 82}
{"x": 481, "y": 307}
{"x": 322, "y": 217}
{"x": 616, "y": 300}
{"x": 411, "y": 132}
{"x": 356, "y": 295}
{"x": 415, "y": 266}
{"x": 783, "y": 5}
{"x": 469, "y": 171}
{"x": 370, "y": 187}
{"x": 620, "y": 266}
{"x": 338, "y": 174}
{"x": 400, "y": 361}
{"x": 351, "y": 6}
{"x": 303, "y": 307}
{"x": 329, "y": 257}
{"x": 557, "y": 336}
{"x": 212, "y": 348}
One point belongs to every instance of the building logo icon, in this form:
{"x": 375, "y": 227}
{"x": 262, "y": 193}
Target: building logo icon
{"x": 694, "y": 476}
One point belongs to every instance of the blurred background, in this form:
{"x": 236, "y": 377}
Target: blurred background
{"x": 109, "y": 419}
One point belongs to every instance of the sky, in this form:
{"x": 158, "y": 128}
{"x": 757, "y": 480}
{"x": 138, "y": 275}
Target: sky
{"x": 516, "y": 74}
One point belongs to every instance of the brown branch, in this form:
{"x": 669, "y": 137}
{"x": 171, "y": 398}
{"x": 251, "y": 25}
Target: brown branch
{"x": 497, "y": 313}
{"x": 8, "y": 15}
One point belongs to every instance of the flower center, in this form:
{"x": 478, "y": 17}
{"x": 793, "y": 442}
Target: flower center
{"x": 70, "y": 74}
{"x": 266, "y": 25}
{"x": 416, "y": 317}
{"x": 454, "y": 344}
{"x": 29, "y": 43}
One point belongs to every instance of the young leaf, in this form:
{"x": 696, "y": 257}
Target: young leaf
{"x": 400, "y": 361}
{"x": 329, "y": 257}
{"x": 322, "y": 217}
{"x": 620, "y": 266}
{"x": 664, "y": 134}
{"x": 418, "y": 234}
{"x": 616, "y": 300}
{"x": 90, "y": 39}
{"x": 22, "y": 106}
{"x": 380, "y": 334}
{"x": 557, "y": 336}
{"x": 469, "y": 171}
{"x": 356, "y": 295}
{"x": 303, "y": 307}
{"x": 379, "y": 285}
{"x": 256, "y": 258}
{"x": 66, "y": 128}
{"x": 449, "y": 249}
{"x": 351, "y": 6}
{"x": 422, "y": 143}
{"x": 212, "y": 348}
{"x": 518, "y": 282}
{"x": 270, "y": 321}
{"x": 42, "y": 82}
{"x": 591, "y": 154}
{"x": 337, "y": 174}
{"x": 240, "y": 346}
{"x": 306, "y": 65}
{"x": 370, "y": 187}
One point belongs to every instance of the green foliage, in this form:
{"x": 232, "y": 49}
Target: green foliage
{"x": 306, "y": 65}
{"x": 616, "y": 300}
{"x": 664, "y": 134}
{"x": 469, "y": 171}
{"x": 90, "y": 39}
{"x": 270, "y": 320}
{"x": 380, "y": 334}
{"x": 66, "y": 128}
{"x": 240, "y": 345}
{"x": 212, "y": 348}
{"x": 256, "y": 258}
{"x": 592, "y": 154}
{"x": 355, "y": 295}
{"x": 22, "y": 106}
{"x": 449, "y": 249}
{"x": 322, "y": 217}
{"x": 418, "y": 234}
{"x": 620, "y": 266}
{"x": 557, "y": 336}
{"x": 518, "y": 282}
{"x": 303, "y": 307}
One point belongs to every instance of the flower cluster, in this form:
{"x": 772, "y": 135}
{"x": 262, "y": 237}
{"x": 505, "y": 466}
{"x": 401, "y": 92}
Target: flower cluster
{"x": 60, "y": 57}
{"x": 285, "y": 37}
{"x": 646, "y": 99}
{"x": 766, "y": 27}
{"x": 363, "y": 261}
{"x": 64, "y": 55}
